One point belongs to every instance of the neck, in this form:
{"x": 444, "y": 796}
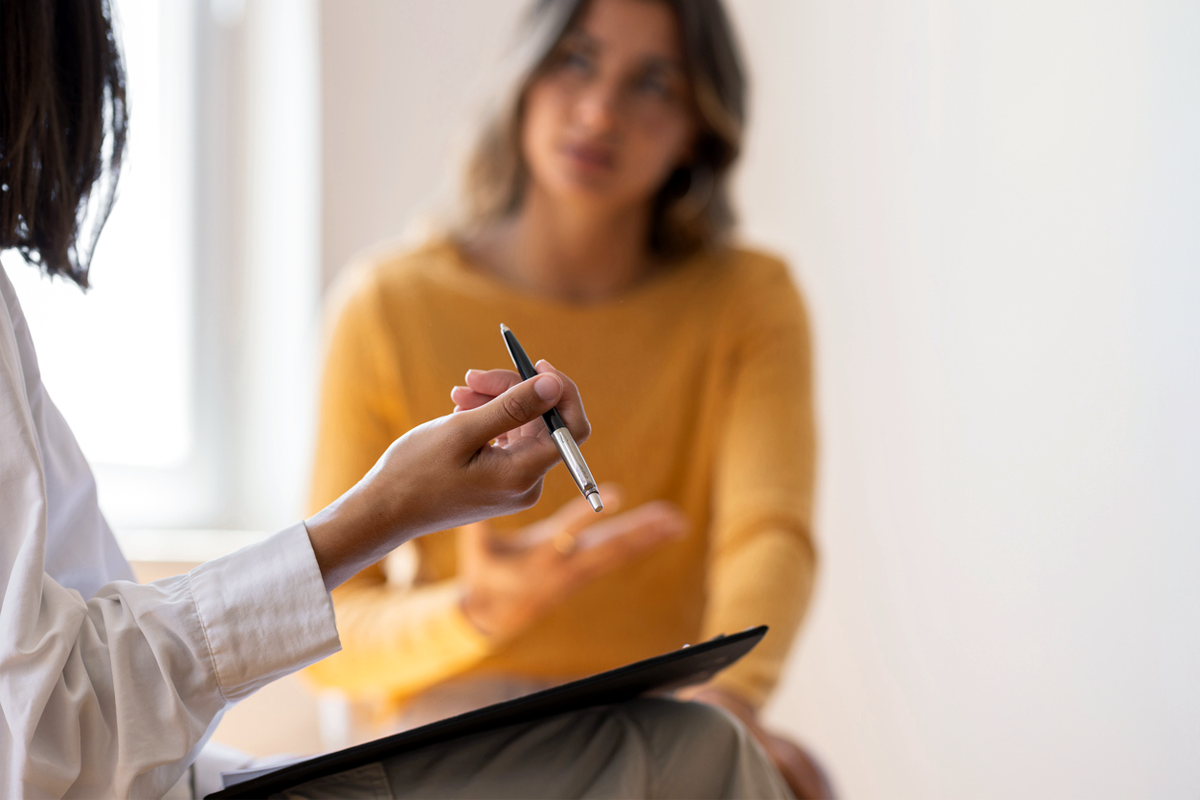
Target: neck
{"x": 572, "y": 253}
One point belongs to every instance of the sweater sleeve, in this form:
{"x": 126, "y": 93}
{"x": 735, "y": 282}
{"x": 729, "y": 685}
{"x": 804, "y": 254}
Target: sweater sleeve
{"x": 397, "y": 640}
{"x": 763, "y": 558}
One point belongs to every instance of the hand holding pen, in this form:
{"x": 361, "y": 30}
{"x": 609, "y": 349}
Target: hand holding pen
{"x": 513, "y": 579}
{"x": 483, "y": 386}
{"x": 446, "y": 473}
{"x": 565, "y": 442}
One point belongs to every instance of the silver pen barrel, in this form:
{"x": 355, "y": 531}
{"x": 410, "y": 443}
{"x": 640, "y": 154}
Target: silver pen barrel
{"x": 577, "y": 467}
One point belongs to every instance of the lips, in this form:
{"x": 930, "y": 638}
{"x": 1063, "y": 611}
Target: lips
{"x": 591, "y": 156}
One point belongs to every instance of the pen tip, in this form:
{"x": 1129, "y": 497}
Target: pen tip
{"x": 504, "y": 328}
{"x": 596, "y": 502}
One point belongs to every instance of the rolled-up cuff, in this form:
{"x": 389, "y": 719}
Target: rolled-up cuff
{"x": 265, "y": 611}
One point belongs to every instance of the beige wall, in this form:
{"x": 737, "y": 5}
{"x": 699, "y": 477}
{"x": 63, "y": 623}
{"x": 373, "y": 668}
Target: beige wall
{"x": 398, "y": 82}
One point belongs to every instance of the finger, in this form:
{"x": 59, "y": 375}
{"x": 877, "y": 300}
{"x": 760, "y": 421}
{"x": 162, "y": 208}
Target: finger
{"x": 491, "y": 382}
{"x": 614, "y": 541}
{"x": 465, "y": 398}
{"x": 655, "y": 515}
{"x": 570, "y": 518}
{"x": 522, "y": 403}
{"x": 571, "y": 404}
{"x": 523, "y": 459}
{"x": 576, "y": 515}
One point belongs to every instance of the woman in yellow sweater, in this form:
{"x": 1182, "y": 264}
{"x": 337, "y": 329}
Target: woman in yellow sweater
{"x": 596, "y": 222}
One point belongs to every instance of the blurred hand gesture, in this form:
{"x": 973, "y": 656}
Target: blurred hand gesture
{"x": 512, "y": 581}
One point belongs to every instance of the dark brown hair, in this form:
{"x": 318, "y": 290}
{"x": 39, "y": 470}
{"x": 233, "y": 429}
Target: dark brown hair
{"x": 692, "y": 209}
{"x": 63, "y": 120}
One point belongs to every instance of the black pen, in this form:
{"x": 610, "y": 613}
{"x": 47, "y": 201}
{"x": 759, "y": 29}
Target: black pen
{"x": 563, "y": 439}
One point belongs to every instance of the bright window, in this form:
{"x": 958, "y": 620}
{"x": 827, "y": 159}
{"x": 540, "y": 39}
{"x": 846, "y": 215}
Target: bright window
{"x": 119, "y": 361}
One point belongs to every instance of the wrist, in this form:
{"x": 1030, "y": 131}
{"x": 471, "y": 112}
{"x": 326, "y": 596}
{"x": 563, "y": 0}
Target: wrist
{"x": 351, "y": 533}
{"x": 331, "y": 536}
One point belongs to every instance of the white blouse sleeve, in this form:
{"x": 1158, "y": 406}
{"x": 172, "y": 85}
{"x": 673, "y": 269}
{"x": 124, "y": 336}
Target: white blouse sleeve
{"x": 115, "y": 694}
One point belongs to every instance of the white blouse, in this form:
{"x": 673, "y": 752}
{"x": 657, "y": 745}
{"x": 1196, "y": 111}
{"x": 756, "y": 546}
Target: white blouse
{"x": 109, "y": 688}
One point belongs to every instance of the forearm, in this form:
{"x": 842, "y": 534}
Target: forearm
{"x": 399, "y": 641}
{"x": 354, "y": 532}
{"x": 765, "y": 579}
{"x": 763, "y": 556}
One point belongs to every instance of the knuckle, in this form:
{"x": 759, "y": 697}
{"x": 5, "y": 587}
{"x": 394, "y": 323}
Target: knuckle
{"x": 516, "y": 407}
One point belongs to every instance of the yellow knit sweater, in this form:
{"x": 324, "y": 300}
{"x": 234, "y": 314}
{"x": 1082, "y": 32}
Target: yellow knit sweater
{"x": 697, "y": 384}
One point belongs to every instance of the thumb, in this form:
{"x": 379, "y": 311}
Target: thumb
{"x": 522, "y": 403}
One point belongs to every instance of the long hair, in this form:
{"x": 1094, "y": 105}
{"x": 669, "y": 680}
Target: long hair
{"x": 63, "y": 120}
{"x": 692, "y": 210}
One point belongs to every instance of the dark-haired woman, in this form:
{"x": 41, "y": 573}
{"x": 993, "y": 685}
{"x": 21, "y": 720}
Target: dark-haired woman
{"x": 109, "y": 688}
{"x": 596, "y": 222}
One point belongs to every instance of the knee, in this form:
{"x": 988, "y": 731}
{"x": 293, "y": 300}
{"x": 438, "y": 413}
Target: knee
{"x": 699, "y": 750}
{"x": 678, "y": 721}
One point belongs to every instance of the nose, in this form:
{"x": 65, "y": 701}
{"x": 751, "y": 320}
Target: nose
{"x": 597, "y": 107}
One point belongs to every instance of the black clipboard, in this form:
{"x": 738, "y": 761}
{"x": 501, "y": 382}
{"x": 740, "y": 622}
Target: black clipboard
{"x": 683, "y": 667}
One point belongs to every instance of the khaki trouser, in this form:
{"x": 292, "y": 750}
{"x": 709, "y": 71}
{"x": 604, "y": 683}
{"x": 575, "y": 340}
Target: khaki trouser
{"x": 648, "y": 747}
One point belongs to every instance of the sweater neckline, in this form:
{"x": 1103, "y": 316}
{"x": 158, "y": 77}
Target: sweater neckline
{"x": 470, "y": 272}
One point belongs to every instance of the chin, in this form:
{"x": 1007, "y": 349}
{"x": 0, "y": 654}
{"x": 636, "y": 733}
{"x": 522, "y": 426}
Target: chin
{"x": 582, "y": 188}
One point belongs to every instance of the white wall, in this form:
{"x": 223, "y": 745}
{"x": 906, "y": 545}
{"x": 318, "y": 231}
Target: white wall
{"x": 994, "y": 210}
{"x": 399, "y": 81}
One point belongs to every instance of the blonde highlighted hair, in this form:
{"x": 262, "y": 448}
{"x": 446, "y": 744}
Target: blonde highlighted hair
{"x": 692, "y": 210}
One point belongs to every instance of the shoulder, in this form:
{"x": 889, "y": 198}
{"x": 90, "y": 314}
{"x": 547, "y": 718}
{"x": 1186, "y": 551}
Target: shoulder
{"x": 17, "y": 355}
{"x": 397, "y": 267}
{"x": 754, "y": 270}
{"x": 757, "y": 285}
{"x": 376, "y": 281}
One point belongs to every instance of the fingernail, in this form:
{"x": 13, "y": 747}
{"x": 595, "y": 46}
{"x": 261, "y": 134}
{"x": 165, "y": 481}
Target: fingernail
{"x": 547, "y": 387}
{"x": 542, "y": 361}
